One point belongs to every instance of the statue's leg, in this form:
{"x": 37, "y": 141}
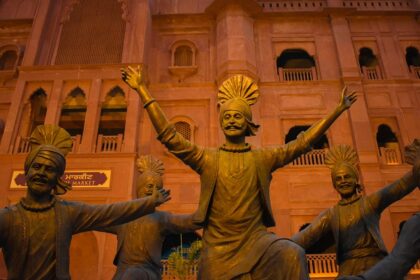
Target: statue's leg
{"x": 283, "y": 260}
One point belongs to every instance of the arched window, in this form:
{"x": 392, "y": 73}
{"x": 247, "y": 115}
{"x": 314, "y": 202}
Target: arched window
{"x": 38, "y": 101}
{"x": 389, "y": 150}
{"x": 113, "y": 112}
{"x": 112, "y": 122}
{"x": 369, "y": 64}
{"x": 73, "y": 112}
{"x": 296, "y": 65}
{"x": 412, "y": 57}
{"x": 183, "y": 59}
{"x": 8, "y": 60}
{"x": 315, "y": 157}
{"x": 322, "y": 143}
{"x": 184, "y": 129}
{"x": 183, "y": 56}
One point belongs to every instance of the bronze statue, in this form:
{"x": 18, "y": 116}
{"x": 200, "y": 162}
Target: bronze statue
{"x": 402, "y": 258}
{"x": 354, "y": 221}
{"x": 234, "y": 206}
{"x": 140, "y": 242}
{"x": 35, "y": 233}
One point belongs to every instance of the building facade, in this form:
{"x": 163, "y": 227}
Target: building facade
{"x": 60, "y": 64}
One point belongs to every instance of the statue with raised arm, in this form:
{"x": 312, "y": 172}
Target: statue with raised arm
{"x": 354, "y": 221}
{"x": 35, "y": 233}
{"x": 140, "y": 242}
{"x": 234, "y": 207}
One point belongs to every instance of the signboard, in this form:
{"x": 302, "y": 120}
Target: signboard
{"x": 93, "y": 178}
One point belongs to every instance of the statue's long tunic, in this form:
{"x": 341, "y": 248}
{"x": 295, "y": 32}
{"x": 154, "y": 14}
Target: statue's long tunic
{"x": 19, "y": 233}
{"x": 355, "y": 226}
{"x": 234, "y": 206}
{"x": 140, "y": 242}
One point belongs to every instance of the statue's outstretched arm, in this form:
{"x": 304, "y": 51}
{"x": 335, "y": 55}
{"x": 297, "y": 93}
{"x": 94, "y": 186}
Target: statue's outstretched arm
{"x": 318, "y": 129}
{"x": 396, "y": 190}
{"x": 135, "y": 79}
{"x": 179, "y": 223}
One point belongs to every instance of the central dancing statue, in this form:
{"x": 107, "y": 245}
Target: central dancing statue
{"x": 234, "y": 207}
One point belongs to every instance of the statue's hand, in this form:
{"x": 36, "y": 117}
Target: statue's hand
{"x": 133, "y": 77}
{"x": 160, "y": 196}
{"x": 347, "y": 99}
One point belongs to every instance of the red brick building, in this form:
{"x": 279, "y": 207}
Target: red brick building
{"x": 60, "y": 61}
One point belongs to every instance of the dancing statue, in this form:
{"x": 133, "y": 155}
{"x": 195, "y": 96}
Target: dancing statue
{"x": 406, "y": 251}
{"x": 234, "y": 207}
{"x": 354, "y": 221}
{"x": 35, "y": 233}
{"x": 140, "y": 242}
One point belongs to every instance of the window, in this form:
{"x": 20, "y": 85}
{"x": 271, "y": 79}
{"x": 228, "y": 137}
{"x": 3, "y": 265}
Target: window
{"x": 112, "y": 122}
{"x": 38, "y": 101}
{"x": 33, "y": 114}
{"x": 412, "y": 57}
{"x": 296, "y": 65}
{"x": 72, "y": 116}
{"x": 369, "y": 64}
{"x": 389, "y": 149}
{"x": 8, "y": 60}
{"x": 315, "y": 157}
{"x": 183, "y": 60}
{"x": 113, "y": 112}
{"x": 294, "y": 132}
{"x": 183, "y": 56}
{"x": 184, "y": 129}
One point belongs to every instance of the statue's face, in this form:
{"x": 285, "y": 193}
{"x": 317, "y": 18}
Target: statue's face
{"x": 42, "y": 176}
{"x": 345, "y": 181}
{"x": 234, "y": 123}
{"x": 147, "y": 182}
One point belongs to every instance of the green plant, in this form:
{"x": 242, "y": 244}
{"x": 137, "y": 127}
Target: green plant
{"x": 181, "y": 261}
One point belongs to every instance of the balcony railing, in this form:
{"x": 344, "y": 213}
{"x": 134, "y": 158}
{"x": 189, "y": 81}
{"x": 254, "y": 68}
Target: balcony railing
{"x": 311, "y": 158}
{"x": 109, "y": 143}
{"x": 415, "y": 71}
{"x": 322, "y": 266}
{"x": 22, "y": 145}
{"x": 371, "y": 73}
{"x": 390, "y": 156}
{"x": 297, "y": 74}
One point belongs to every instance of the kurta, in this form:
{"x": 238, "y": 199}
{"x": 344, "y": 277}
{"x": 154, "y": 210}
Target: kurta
{"x": 19, "y": 232}
{"x": 230, "y": 187}
{"x": 140, "y": 242}
{"x": 355, "y": 227}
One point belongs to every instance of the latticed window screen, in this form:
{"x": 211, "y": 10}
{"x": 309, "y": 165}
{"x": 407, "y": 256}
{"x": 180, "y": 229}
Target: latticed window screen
{"x": 184, "y": 129}
{"x": 94, "y": 34}
{"x": 183, "y": 56}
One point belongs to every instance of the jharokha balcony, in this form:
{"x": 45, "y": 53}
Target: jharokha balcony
{"x": 320, "y": 266}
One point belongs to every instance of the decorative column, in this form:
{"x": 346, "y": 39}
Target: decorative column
{"x": 13, "y": 118}
{"x": 90, "y": 130}
{"x": 54, "y": 106}
{"x": 235, "y": 44}
{"x": 131, "y": 122}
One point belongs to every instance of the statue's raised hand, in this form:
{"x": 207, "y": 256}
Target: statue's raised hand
{"x": 133, "y": 77}
{"x": 347, "y": 99}
{"x": 160, "y": 196}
